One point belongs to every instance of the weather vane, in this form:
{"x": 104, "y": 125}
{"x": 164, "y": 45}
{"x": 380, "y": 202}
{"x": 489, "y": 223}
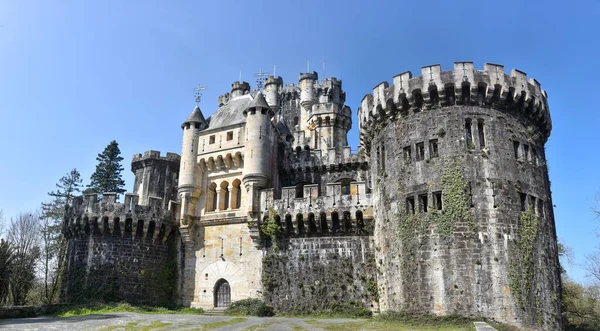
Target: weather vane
{"x": 260, "y": 80}
{"x": 198, "y": 93}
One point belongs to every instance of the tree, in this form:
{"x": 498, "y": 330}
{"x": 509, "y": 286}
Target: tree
{"x": 107, "y": 177}
{"x": 6, "y": 258}
{"x": 23, "y": 235}
{"x": 68, "y": 187}
{"x": 53, "y": 244}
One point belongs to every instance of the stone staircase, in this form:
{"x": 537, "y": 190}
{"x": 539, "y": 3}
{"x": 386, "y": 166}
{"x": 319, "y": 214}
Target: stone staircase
{"x": 215, "y": 311}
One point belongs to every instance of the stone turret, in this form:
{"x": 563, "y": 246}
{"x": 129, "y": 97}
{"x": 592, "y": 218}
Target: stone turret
{"x": 461, "y": 195}
{"x": 271, "y": 91}
{"x": 238, "y": 89}
{"x": 189, "y": 172}
{"x": 155, "y": 177}
{"x": 257, "y": 151}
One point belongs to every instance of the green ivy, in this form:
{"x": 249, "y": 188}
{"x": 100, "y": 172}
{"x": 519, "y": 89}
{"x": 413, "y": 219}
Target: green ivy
{"x": 271, "y": 229}
{"x": 521, "y": 263}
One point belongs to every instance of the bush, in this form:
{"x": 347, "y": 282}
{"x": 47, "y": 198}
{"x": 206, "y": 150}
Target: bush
{"x": 250, "y": 307}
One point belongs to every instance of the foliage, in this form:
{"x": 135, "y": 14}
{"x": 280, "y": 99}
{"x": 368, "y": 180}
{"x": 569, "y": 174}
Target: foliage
{"x": 107, "y": 177}
{"x": 581, "y": 306}
{"x": 271, "y": 229}
{"x": 455, "y": 200}
{"x": 250, "y": 307}
{"x": 68, "y": 187}
{"x": 103, "y": 308}
{"x": 6, "y": 260}
{"x": 521, "y": 262}
{"x": 53, "y": 244}
{"x": 23, "y": 234}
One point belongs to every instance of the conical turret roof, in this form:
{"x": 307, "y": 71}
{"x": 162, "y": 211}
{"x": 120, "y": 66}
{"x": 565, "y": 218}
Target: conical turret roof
{"x": 259, "y": 102}
{"x": 195, "y": 117}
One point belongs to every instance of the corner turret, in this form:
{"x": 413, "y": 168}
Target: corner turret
{"x": 189, "y": 172}
{"x": 196, "y": 119}
{"x": 271, "y": 91}
{"x": 258, "y": 149}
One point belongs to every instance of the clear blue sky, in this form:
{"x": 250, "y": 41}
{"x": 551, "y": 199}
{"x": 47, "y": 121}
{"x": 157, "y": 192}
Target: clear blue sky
{"x": 75, "y": 75}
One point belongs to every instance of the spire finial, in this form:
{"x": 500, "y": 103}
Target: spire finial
{"x": 198, "y": 93}
{"x": 260, "y": 78}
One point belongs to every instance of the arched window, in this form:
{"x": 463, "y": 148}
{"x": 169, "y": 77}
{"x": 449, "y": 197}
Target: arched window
{"x": 211, "y": 197}
{"x": 300, "y": 190}
{"x": 335, "y": 222}
{"x": 224, "y": 196}
{"x": 345, "y": 185}
{"x": 236, "y": 194}
{"x": 327, "y": 121}
{"x": 360, "y": 223}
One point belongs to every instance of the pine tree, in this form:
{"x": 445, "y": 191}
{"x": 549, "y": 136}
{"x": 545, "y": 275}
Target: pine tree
{"x": 68, "y": 187}
{"x": 53, "y": 244}
{"x": 107, "y": 177}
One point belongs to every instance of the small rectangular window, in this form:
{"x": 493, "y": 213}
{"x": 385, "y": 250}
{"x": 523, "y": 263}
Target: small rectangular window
{"x": 211, "y": 139}
{"x": 423, "y": 203}
{"x": 469, "y": 134}
{"x": 433, "y": 148}
{"x": 526, "y": 153}
{"x": 534, "y": 156}
{"x": 532, "y": 201}
{"x": 197, "y": 125}
{"x": 437, "y": 200}
{"x": 230, "y": 135}
{"x": 523, "y": 198}
{"x": 540, "y": 208}
{"x": 516, "y": 149}
{"x": 420, "y": 151}
{"x": 481, "y": 133}
{"x": 407, "y": 155}
{"x": 410, "y": 205}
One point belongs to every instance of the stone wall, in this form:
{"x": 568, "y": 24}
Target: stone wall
{"x": 321, "y": 273}
{"x": 462, "y": 203}
{"x": 119, "y": 252}
{"x": 119, "y": 268}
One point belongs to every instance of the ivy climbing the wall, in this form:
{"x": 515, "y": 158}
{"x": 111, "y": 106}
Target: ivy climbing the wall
{"x": 271, "y": 229}
{"x": 521, "y": 262}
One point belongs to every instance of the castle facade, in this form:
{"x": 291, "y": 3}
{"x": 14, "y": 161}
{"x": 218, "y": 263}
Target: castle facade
{"x": 445, "y": 208}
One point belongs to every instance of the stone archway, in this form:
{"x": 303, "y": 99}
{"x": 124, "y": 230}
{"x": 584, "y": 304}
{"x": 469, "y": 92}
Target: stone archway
{"x": 222, "y": 293}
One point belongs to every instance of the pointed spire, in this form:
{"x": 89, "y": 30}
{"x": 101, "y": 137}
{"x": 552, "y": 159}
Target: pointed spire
{"x": 196, "y": 117}
{"x": 259, "y": 102}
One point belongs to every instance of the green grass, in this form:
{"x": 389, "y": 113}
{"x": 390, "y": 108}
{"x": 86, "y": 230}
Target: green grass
{"x": 93, "y": 309}
{"x": 135, "y": 325}
{"x": 259, "y": 327}
{"x": 216, "y": 325}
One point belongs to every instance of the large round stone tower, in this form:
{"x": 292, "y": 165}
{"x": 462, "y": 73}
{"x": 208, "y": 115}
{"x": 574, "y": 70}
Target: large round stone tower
{"x": 462, "y": 203}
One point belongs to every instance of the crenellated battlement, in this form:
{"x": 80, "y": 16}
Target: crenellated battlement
{"x": 306, "y": 211}
{"x": 150, "y": 222}
{"x": 490, "y": 87}
{"x": 322, "y": 160}
{"x": 155, "y": 155}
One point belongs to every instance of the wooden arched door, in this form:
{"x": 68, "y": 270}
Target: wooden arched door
{"x": 222, "y": 293}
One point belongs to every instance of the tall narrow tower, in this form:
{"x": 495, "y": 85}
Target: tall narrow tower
{"x": 258, "y": 149}
{"x": 189, "y": 172}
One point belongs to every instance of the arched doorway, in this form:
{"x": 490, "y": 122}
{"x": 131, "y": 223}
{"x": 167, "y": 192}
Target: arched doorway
{"x": 222, "y": 293}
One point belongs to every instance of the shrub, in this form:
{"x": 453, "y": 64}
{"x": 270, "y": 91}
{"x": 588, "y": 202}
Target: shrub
{"x": 250, "y": 307}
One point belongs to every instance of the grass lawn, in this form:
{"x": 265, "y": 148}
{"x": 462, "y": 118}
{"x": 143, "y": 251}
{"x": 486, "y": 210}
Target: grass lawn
{"x": 121, "y": 307}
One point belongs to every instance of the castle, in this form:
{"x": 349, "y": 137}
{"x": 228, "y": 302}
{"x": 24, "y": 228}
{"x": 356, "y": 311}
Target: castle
{"x": 445, "y": 208}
